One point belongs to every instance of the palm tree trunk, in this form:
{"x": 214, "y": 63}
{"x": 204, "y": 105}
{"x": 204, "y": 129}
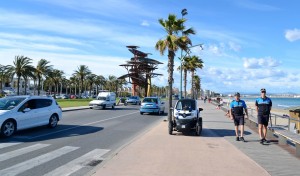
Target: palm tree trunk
{"x": 193, "y": 86}
{"x": 184, "y": 81}
{"x": 25, "y": 79}
{"x": 170, "y": 81}
{"x": 18, "y": 86}
{"x": 39, "y": 85}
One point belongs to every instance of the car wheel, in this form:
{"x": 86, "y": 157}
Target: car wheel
{"x": 170, "y": 127}
{"x": 8, "y": 128}
{"x": 104, "y": 106}
{"x": 53, "y": 121}
{"x": 113, "y": 107}
{"x": 141, "y": 113}
{"x": 199, "y": 127}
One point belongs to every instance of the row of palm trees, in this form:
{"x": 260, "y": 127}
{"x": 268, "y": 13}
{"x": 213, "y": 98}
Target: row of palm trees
{"x": 47, "y": 78}
{"x": 172, "y": 42}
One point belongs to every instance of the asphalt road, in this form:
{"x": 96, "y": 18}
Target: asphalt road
{"x": 82, "y": 140}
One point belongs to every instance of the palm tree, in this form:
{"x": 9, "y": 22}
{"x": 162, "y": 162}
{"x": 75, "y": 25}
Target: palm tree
{"x": 197, "y": 83}
{"x": 91, "y": 80}
{"x": 100, "y": 81}
{"x": 4, "y": 75}
{"x": 42, "y": 69}
{"x": 20, "y": 67}
{"x": 55, "y": 77}
{"x": 74, "y": 81}
{"x": 81, "y": 72}
{"x": 172, "y": 43}
{"x": 194, "y": 63}
{"x": 29, "y": 73}
{"x": 185, "y": 66}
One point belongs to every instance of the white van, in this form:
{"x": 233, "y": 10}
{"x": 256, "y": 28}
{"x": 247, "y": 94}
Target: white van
{"x": 104, "y": 100}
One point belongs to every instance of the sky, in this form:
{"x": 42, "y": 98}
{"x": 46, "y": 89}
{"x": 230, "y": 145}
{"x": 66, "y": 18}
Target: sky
{"x": 247, "y": 44}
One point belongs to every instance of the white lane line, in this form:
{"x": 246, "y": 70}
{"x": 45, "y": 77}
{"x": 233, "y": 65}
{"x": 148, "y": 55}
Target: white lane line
{"x": 29, "y": 164}
{"x": 77, "y": 164}
{"x": 3, "y": 145}
{"x": 82, "y": 125}
{"x": 12, "y": 154}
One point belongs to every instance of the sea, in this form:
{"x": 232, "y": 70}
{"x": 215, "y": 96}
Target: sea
{"x": 280, "y": 103}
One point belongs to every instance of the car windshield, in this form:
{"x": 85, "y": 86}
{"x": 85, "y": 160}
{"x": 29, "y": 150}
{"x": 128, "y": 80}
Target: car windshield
{"x": 133, "y": 97}
{"x": 10, "y": 103}
{"x": 186, "y": 105}
{"x": 150, "y": 100}
{"x": 101, "y": 98}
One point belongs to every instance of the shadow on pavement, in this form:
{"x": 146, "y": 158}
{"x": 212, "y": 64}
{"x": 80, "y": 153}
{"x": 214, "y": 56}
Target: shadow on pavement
{"x": 45, "y": 133}
{"x": 220, "y": 133}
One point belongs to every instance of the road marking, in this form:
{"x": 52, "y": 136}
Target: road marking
{"x": 79, "y": 163}
{"x": 3, "y": 145}
{"x": 29, "y": 164}
{"x": 81, "y": 125}
{"x": 12, "y": 154}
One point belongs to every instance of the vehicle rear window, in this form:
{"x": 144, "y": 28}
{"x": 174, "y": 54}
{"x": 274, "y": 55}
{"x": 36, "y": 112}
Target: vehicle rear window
{"x": 150, "y": 100}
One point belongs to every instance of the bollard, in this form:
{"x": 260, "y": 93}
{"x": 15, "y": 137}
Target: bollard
{"x": 282, "y": 140}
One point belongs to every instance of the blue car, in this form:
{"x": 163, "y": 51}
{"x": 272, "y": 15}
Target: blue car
{"x": 152, "y": 105}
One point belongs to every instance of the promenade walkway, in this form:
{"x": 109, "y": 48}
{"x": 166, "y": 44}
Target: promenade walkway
{"x": 214, "y": 153}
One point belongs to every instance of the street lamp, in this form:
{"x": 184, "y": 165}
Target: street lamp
{"x": 188, "y": 51}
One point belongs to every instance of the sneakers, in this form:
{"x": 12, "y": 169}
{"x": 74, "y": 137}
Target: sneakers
{"x": 237, "y": 139}
{"x": 262, "y": 140}
{"x": 242, "y": 139}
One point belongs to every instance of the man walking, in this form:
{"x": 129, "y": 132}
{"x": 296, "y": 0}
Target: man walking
{"x": 237, "y": 108}
{"x": 263, "y": 108}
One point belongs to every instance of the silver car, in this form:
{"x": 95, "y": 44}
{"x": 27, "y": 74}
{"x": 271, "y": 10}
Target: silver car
{"x": 133, "y": 100}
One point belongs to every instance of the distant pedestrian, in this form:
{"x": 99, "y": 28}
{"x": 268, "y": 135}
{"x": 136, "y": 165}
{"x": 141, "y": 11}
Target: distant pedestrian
{"x": 237, "y": 109}
{"x": 263, "y": 108}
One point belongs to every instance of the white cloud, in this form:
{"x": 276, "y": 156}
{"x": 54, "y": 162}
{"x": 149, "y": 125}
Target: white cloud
{"x": 292, "y": 35}
{"x": 145, "y": 23}
{"x": 233, "y": 46}
{"x": 254, "y": 63}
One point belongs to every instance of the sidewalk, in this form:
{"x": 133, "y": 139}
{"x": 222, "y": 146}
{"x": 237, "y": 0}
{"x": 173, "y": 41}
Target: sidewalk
{"x": 214, "y": 153}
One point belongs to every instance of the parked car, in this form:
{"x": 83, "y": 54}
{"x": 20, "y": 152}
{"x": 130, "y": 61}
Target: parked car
{"x": 152, "y": 105}
{"x": 22, "y": 112}
{"x": 133, "y": 100}
{"x": 186, "y": 117}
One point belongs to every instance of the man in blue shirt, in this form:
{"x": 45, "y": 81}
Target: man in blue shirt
{"x": 263, "y": 108}
{"x": 237, "y": 108}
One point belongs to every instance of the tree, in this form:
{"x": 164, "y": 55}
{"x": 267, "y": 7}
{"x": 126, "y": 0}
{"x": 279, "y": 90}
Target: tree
{"x": 55, "y": 77}
{"x": 100, "y": 81}
{"x": 194, "y": 63}
{"x": 197, "y": 83}
{"x": 29, "y": 73}
{"x": 81, "y": 72}
{"x": 20, "y": 66}
{"x": 42, "y": 69}
{"x": 4, "y": 75}
{"x": 185, "y": 67}
{"x": 91, "y": 78}
{"x": 172, "y": 43}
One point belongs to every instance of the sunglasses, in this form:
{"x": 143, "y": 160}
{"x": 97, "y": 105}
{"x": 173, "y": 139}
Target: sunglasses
{"x": 263, "y": 91}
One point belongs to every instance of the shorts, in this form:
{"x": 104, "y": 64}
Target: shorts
{"x": 239, "y": 120}
{"x": 263, "y": 119}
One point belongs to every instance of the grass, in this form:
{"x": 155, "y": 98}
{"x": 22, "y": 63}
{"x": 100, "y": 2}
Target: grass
{"x": 64, "y": 103}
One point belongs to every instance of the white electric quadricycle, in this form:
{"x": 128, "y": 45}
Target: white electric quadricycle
{"x": 186, "y": 117}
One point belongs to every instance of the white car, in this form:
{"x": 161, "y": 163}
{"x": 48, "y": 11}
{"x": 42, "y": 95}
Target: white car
{"x": 22, "y": 112}
{"x": 104, "y": 100}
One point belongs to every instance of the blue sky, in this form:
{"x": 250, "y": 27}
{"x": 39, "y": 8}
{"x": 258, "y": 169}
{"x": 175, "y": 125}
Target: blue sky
{"x": 248, "y": 44}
